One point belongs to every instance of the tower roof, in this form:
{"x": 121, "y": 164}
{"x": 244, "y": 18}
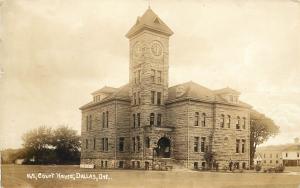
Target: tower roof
{"x": 149, "y": 21}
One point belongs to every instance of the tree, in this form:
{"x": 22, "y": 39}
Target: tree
{"x": 261, "y": 129}
{"x": 37, "y": 143}
{"x": 67, "y": 145}
{"x": 48, "y": 146}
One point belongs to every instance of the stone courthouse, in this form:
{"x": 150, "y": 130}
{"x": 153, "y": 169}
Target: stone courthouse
{"x": 148, "y": 125}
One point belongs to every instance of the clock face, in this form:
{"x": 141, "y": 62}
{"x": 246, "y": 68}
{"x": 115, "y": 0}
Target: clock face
{"x": 156, "y": 48}
{"x": 137, "y": 49}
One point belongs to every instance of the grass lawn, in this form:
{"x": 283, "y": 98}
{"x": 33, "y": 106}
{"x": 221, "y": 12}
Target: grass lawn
{"x": 17, "y": 176}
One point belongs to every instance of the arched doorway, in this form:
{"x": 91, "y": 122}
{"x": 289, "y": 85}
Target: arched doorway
{"x": 163, "y": 147}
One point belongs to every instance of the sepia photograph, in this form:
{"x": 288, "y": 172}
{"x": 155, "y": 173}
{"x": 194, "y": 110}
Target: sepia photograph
{"x": 150, "y": 93}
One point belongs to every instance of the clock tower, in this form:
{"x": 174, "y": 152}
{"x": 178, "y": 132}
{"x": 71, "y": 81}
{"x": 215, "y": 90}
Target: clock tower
{"x": 149, "y": 69}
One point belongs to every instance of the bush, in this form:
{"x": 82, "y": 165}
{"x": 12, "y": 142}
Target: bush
{"x": 279, "y": 169}
{"x": 258, "y": 168}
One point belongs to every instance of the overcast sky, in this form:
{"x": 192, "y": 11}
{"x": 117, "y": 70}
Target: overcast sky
{"x": 54, "y": 53}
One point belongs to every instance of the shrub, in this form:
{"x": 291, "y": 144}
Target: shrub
{"x": 258, "y": 168}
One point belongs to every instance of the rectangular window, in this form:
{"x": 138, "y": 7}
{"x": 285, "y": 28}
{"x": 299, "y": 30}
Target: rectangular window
{"x": 147, "y": 142}
{"x": 106, "y": 144}
{"x": 102, "y": 164}
{"x": 86, "y": 144}
{"x": 133, "y": 144}
{"x": 94, "y": 143}
{"x": 138, "y": 164}
{"x": 286, "y": 155}
{"x": 243, "y": 146}
{"x": 244, "y": 123}
{"x": 203, "y": 144}
{"x": 140, "y": 76}
{"x": 159, "y": 80}
{"x": 196, "y": 122}
{"x": 103, "y": 144}
{"x": 222, "y": 121}
{"x": 106, "y": 164}
{"x": 196, "y": 144}
{"x": 203, "y": 120}
{"x": 152, "y": 75}
{"x": 298, "y": 155}
{"x": 151, "y": 119}
{"x": 237, "y": 150}
{"x": 158, "y": 98}
{"x": 152, "y": 97}
{"x": 138, "y": 119}
{"x": 228, "y": 121}
{"x": 90, "y": 126}
{"x": 107, "y": 119}
{"x": 121, "y": 164}
{"x": 138, "y": 98}
{"x": 121, "y": 143}
{"x": 134, "y": 98}
{"x": 138, "y": 144}
{"x": 133, "y": 119}
{"x": 103, "y": 119}
{"x": 238, "y": 123}
{"x": 87, "y": 123}
{"x": 158, "y": 120}
{"x": 135, "y": 77}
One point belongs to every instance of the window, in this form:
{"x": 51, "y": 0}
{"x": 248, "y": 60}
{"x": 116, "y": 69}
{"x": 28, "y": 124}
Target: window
{"x": 228, "y": 121}
{"x": 222, "y": 121}
{"x": 244, "y": 165}
{"x": 133, "y": 164}
{"x": 298, "y": 155}
{"x": 135, "y": 77}
{"x": 102, "y": 164}
{"x": 87, "y": 123}
{"x": 238, "y": 122}
{"x": 196, "y": 165}
{"x": 196, "y": 119}
{"x": 139, "y": 76}
{"x": 107, "y": 119}
{"x": 159, "y": 80}
{"x": 151, "y": 119}
{"x": 86, "y": 144}
{"x": 243, "y": 146}
{"x": 106, "y": 144}
{"x": 203, "y": 165}
{"x": 121, "y": 143}
{"x": 244, "y": 123}
{"x": 276, "y": 161}
{"x": 237, "y": 149}
{"x": 138, "y": 98}
{"x": 138, "y": 164}
{"x": 286, "y": 155}
{"x": 152, "y": 75}
{"x": 158, "y": 120}
{"x": 103, "y": 119}
{"x": 147, "y": 142}
{"x": 203, "y": 121}
{"x": 90, "y": 127}
{"x": 152, "y": 97}
{"x": 133, "y": 119}
{"x": 103, "y": 144}
{"x": 106, "y": 164}
{"x": 203, "y": 144}
{"x": 158, "y": 98}
{"x": 277, "y": 155}
{"x": 133, "y": 144}
{"x": 138, "y": 119}
{"x": 270, "y": 161}
{"x": 138, "y": 143}
{"x": 196, "y": 144}
{"x": 121, "y": 164}
{"x": 134, "y": 98}
{"x": 94, "y": 143}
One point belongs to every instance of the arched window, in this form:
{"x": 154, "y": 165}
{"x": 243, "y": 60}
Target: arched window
{"x": 152, "y": 119}
{"x": 196, "y": 119}
{"x": 203, "y": 121}
{"x": 222, "y": 123}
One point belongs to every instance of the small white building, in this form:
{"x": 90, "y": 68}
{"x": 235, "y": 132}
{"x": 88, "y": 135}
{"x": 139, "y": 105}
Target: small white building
{"x": 291, "y": 156}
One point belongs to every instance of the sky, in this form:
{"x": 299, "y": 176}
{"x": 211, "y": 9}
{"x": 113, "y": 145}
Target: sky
{"x": 54, "y": 53}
